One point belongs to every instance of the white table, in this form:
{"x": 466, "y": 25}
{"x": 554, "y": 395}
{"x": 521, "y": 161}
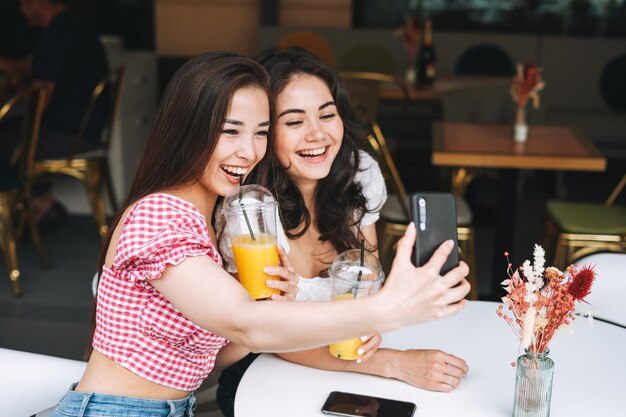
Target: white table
{"x": 608, "y": 293}
{"x": 590, "y": 367}
{"x": 30, "y": 383}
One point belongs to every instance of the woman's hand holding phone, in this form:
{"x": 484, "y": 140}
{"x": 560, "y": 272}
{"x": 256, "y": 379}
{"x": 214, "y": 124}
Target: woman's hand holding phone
{"x": 413, "y": 294}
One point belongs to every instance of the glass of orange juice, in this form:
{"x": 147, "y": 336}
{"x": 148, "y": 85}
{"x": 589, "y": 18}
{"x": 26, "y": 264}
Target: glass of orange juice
{"x": 251, "y": 225}
{"x": 352, "y": 278}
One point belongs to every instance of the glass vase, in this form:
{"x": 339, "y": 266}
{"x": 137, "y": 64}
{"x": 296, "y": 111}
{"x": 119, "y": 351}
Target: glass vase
{"x": 520, "y": 128}
{"x": 533, "y": 384}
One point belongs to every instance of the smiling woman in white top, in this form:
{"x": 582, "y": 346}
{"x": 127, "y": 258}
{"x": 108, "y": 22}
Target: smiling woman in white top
{"x": 329, "y": 194}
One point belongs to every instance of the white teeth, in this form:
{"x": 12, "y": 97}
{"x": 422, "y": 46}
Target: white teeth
{"x": 234, "y": 170}
{"x": 312, "y": 152}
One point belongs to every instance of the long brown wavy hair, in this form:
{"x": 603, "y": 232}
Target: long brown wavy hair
{"x": 339, "y": 201}
{"x": 187, "y": 127}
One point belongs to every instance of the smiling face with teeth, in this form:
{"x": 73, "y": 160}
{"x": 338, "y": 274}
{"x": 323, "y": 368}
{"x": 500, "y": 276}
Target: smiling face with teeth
{"x": 242, "y": 143}
{"x": 308, "y": 131}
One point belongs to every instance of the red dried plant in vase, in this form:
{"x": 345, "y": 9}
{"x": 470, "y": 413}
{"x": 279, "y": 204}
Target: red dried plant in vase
{"x": 409, "y": 33}
{"x": 526, "y": 85}
{"x": 541, "y": 301}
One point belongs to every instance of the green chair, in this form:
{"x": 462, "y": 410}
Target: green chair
{"x": 369, "y": 57}
{"x": 585, "y": 228}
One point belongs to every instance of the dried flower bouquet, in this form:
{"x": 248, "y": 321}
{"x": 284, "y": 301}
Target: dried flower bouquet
{"x": 541, "y": 300}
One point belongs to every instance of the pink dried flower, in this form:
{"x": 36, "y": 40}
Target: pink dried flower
{"x": 526, "y": 85}
{"x": 409, "y": 32}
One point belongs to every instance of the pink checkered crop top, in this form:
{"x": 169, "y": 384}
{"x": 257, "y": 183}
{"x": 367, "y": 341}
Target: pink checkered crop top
{"x": 136, "y": 326}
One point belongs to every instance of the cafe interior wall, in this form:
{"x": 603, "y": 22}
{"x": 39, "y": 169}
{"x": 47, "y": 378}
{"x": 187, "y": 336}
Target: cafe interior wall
{"x": 189, "y": 27}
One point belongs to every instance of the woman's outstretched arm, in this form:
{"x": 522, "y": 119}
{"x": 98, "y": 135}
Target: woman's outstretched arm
{"x": 210, "y": 297}
{"x": 429, "y": 369}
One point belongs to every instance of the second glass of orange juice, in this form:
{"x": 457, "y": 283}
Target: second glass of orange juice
{"x": 352, "y": 278}
{"x": 251, "y": 225}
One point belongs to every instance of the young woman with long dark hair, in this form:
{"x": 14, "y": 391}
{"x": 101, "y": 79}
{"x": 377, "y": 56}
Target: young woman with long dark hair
{"x": 329, "y": 195}
{"x": 165, "y": 307}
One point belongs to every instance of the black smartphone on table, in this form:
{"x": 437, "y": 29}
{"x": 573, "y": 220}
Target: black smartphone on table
{"x": 434, "y": 215}
{"x": 348, "y": 404}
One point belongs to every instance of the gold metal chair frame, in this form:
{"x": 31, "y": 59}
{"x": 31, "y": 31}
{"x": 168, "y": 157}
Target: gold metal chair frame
{"x": 92, "y": 168}
{"x": 15, "y": 209}
{"x": 461, "y": 178}
{"x": 573, "y": 246}
{"x": 367, "y": 102}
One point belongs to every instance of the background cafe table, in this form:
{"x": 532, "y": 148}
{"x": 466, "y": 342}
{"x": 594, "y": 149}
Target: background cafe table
{"x": 490, "y": 145}
{"x": 588, "y": 379}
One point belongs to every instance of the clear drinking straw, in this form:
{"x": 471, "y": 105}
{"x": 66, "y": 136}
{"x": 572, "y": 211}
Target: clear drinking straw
{"x": 245, "y": 215}
{"x": 358, "y": 277}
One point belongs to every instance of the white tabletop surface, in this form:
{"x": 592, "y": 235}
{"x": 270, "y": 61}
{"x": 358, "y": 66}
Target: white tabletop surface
{"x": 30, "y": 383}
{"x": 589, "y": 377}
{"x": 608, "y": 293}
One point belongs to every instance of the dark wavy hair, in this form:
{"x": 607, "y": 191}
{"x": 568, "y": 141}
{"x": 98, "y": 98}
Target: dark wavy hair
{"x": 187, "y": 126}
{"x": 339, "y": 201}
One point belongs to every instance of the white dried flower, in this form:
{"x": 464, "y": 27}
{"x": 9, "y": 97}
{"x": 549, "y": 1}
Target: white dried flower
{"x": 541, "y": 322}
{"x": 528, "y": 326}
{"x": 530, "y": 298}
{"x": 539, "y": 256}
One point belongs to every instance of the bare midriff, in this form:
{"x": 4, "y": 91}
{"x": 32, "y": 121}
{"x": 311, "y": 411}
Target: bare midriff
{"x": 103, "y": 376}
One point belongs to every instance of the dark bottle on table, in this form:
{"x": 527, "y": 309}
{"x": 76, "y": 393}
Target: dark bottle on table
{"x": 426, "y": 70}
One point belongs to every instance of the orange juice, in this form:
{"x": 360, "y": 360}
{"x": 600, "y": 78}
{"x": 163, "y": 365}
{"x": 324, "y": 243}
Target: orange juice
{"x": 251, "y": 256}
{"x": 348, "y": 348}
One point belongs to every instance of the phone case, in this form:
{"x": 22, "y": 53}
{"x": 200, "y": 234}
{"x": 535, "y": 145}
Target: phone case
{"x": 434, "y": 215}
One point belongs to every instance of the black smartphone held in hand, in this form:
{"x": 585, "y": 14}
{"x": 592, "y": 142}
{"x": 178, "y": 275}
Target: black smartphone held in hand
{"x": 348, "y": 404}
{"x": 434, "y": 215}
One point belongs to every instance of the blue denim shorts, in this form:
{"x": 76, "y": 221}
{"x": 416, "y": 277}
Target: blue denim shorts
{"x": 89, "y": 404}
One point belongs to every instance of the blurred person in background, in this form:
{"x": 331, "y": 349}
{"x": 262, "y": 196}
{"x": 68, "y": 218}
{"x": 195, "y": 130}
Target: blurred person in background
{"x": 17, "y": 40}
{"x": 70, "y": 60}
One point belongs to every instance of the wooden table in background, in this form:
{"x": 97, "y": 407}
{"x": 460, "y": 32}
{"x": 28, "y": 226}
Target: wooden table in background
{"x": 490, "y": 145}
{"x": 486, "y": 145}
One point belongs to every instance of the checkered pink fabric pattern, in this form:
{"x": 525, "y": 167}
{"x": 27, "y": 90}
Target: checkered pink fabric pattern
{"x": 137, "y": 327}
